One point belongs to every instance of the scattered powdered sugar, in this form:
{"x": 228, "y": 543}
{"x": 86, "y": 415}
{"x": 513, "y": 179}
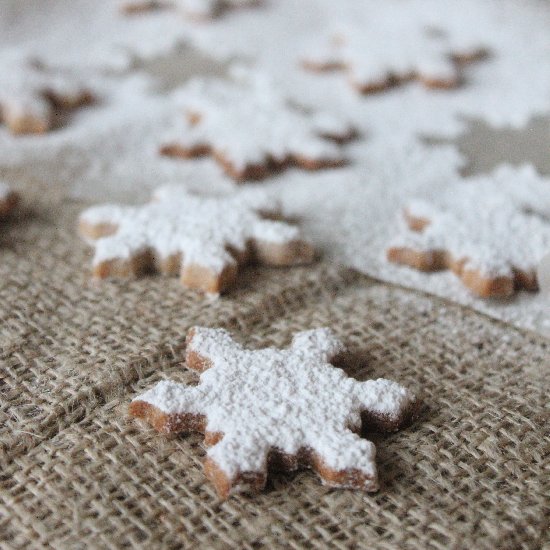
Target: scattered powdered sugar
{"x": 200, "y": 228}
{"x": 249, "y": 122}
{"x": 497, "y": 223}
{"x": 285, "y": 399}
{"x": 514, "y": 32}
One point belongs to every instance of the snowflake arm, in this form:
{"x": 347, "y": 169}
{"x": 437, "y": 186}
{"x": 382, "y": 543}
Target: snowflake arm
{"x": 102, "y": 221}
{"x": 277, "y": 243}
{"x": 180, "y": 410}
{"x": 320, "y": 345}
{"x": 382, "y": 403}
{"x": 30, "y": 94}
{"x": 26, "y": 113}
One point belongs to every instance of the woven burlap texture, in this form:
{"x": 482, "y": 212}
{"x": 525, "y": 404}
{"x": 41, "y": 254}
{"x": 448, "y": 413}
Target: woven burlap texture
{"x": 471, "y": 472}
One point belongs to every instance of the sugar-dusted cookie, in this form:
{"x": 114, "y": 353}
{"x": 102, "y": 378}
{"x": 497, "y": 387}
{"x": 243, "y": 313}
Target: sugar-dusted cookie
{"x": 204, "y": 239}
{"x": 30, "y": 93}
{"x": 8, "y": 200}
{"x": 195, "y": 9}
{"x": 492, "y": 231}
{"x": 253, "y": 131}
{"x": 277, "y": 409}
{"x": 385, "y": 51}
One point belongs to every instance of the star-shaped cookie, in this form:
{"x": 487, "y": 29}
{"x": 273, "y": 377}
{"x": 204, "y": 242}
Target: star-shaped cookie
{"x": 277, "y": 409}
{"x": 385, "y": 47}
{"x": 253, "y": 131}
{"x": 30, "y": 94}
{"x": 204, "y": 239}
{"x": 492, "y": 231}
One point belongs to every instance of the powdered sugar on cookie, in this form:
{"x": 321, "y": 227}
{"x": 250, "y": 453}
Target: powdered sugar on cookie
{"x": 29, "y": 94}
{"x": 493, "y": 231}
{"x": 291, "y": 403}
{"x": 398, "y": 46}
{"x": 204, "y": 238}
{"x": 252, "y": 130}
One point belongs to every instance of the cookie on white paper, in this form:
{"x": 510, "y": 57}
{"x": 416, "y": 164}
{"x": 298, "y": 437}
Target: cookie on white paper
{"x": 251, "y": 130}
{"x": 492, "y": 231}
{"x": 203, "y": 238}
{"x": 277, "y": 409}
{"x": 30, "y": 94}
{"x": 396, "y": 46}
{"x": 195, "y": 9}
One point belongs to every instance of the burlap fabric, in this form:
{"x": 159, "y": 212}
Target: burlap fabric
{"x": 76, "y": 472}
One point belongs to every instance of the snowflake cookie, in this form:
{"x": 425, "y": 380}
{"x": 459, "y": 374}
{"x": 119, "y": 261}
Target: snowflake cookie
{"x": 277, "y": 409}
{"x": 195, "y": 9}
{"x": 396, "y": 47}
{"x": 8, "y": 200}
{"x": 30, "y": 94}
{"x": 492, "y": 231}
{"x": 204, "y": 239}
{"x": 253, "y": 131}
